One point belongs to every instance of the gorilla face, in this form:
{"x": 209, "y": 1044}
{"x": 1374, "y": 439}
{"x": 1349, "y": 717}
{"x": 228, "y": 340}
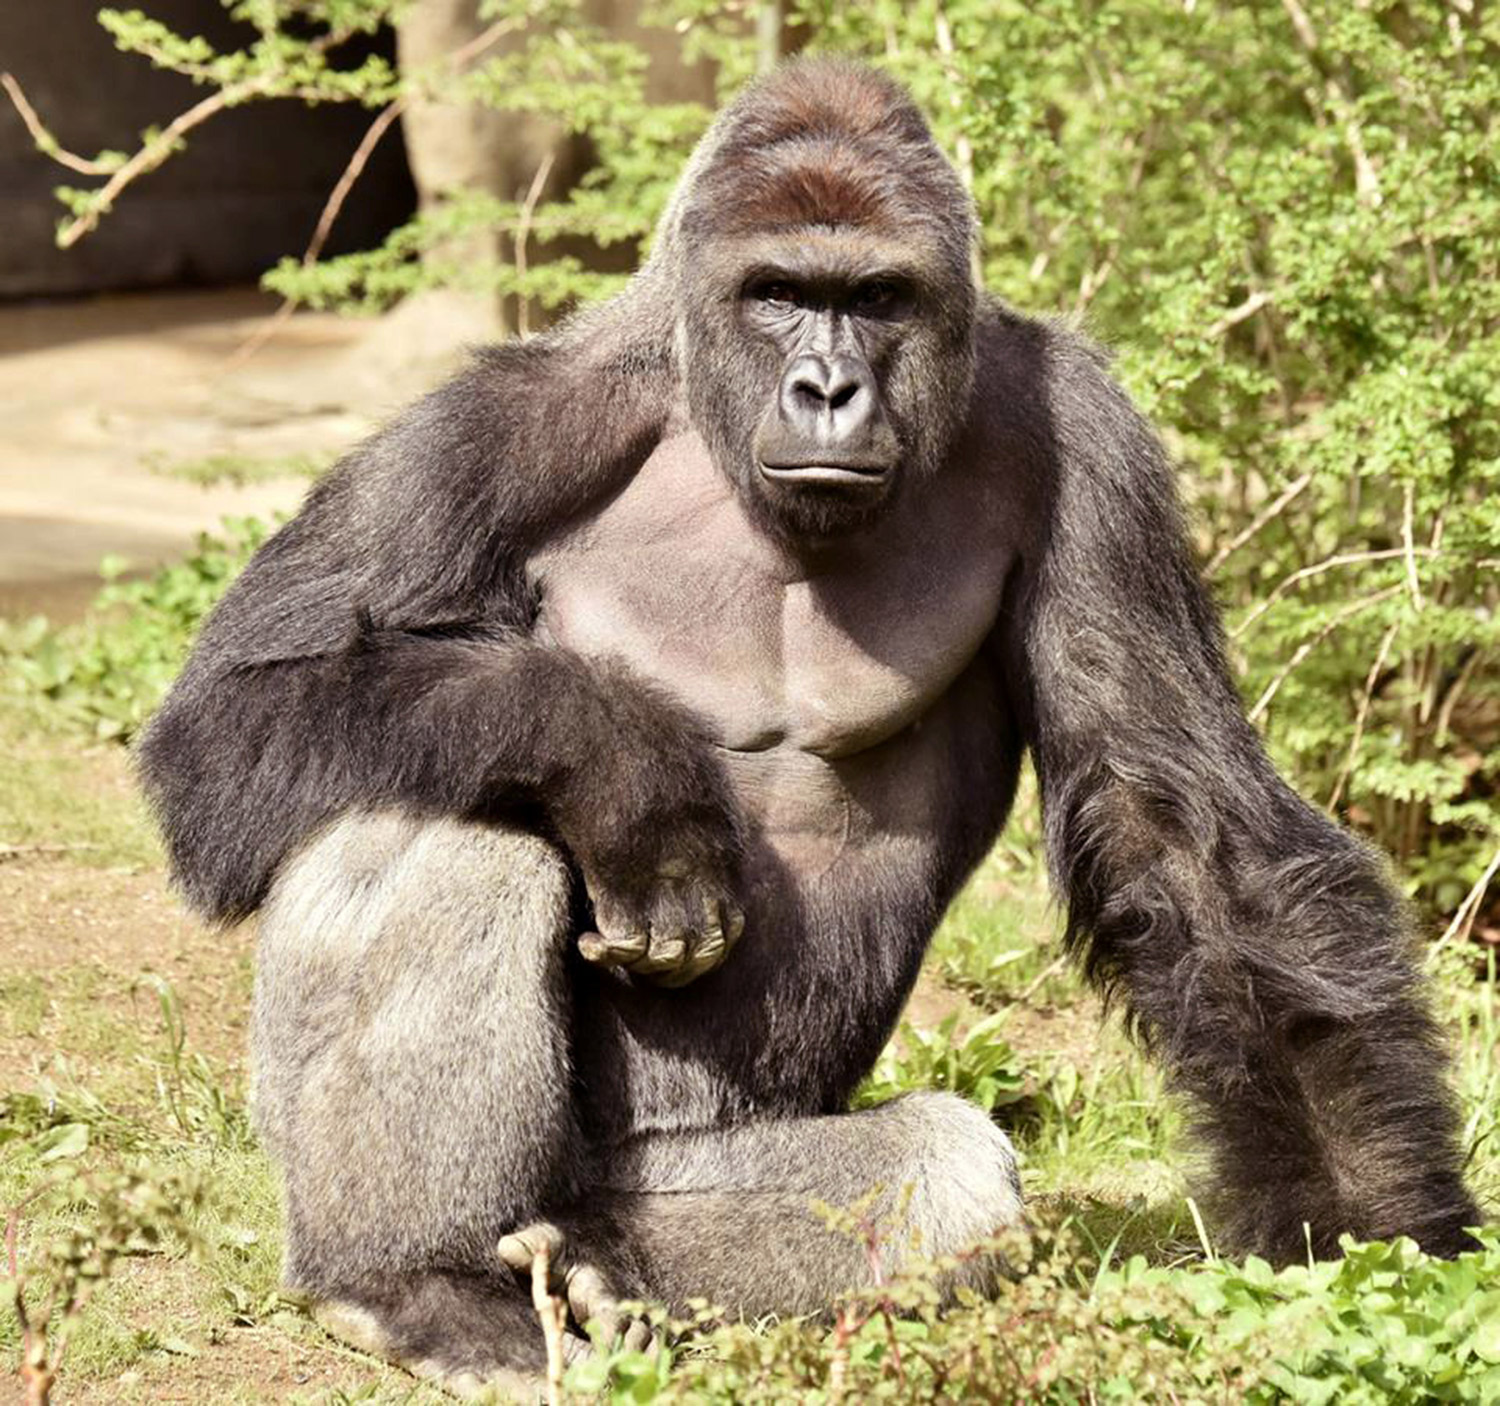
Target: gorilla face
{"x": 824, "y": 301}
{"x": 825, "y": 452}
{"x": 827, "y": 373}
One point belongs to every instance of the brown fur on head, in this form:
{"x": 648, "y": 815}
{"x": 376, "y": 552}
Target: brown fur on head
{"x": 832, "y": 164}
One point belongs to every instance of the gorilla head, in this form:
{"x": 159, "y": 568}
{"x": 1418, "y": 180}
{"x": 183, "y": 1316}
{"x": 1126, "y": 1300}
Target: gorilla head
{"x": 821, "y": 247}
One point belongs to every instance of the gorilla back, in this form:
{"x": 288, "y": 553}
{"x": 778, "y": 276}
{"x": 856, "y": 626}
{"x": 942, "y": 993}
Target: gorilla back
{"x": 605, "y": 738}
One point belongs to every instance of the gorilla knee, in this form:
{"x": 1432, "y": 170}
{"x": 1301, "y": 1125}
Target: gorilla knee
{"x": 370, "y": 875}
{"x": 962, "y": 1170}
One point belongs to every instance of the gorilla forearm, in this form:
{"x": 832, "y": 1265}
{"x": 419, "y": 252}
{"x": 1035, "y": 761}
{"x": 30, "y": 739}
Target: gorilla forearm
{"x": 244, "y": 766}
{"x": 376, "y": 649}
{"x": 1263, "y": 956}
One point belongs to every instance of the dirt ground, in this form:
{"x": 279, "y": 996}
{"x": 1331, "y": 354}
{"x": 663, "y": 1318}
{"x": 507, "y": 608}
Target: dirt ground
{"x": 99, "y": 397}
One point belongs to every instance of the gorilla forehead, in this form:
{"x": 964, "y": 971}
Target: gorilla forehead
{"x": 826, "y": 143}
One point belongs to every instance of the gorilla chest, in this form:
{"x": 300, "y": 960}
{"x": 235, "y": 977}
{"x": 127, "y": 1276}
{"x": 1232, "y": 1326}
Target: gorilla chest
{"x": 675, "y": 581}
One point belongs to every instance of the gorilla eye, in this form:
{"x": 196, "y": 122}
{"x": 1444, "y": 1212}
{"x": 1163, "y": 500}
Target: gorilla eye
{"x": 777, "y": 292}
{"x": 876, "y": 297}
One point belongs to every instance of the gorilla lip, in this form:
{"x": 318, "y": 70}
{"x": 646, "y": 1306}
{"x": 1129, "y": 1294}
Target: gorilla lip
{"x": 821, "y": 474}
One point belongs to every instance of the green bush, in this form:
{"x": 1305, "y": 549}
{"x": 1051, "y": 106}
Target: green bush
{"x": 1386, "y": 1326}
{"x": 1287, "y": 218}
{"x": 108, "y": 673}
{"x": 978, "y": 1065}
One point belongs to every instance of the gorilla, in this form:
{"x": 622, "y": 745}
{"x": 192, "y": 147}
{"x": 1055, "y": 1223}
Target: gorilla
{"x": 603, "y": 741}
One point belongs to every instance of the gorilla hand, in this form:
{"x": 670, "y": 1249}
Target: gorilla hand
{"x": 687, "y": 928}
{"x": 655, "y": 830}
{"x": 583, "y": 1287}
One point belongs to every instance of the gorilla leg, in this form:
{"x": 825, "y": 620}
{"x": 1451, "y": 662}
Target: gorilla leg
{"x": 727, "y": 1214}
{"x": 410, "y": 1045}
{"x": 413, "y": 1078}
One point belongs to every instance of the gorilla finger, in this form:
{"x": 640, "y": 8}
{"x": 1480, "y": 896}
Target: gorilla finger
{"x": 706, "y": 949}
{"x": 666, "y": 953}
{"x": 734, "y": 924}
{"x": 612, "y": 951}
{"x": 606, "y": 1324}
{"x": 704, "y": 959}
{"x": 590, "y": 1296}
{"x": 638, "y": 1336}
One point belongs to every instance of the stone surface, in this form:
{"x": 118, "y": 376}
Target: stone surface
{"x": 246, "y": 191}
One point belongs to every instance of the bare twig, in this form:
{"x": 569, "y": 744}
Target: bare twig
{"x": 1317, "y": 569}
{"x": 963, "y": 148}
{"x": 1241, "y": 312}
{"x": 1032, "y": 987}
{"x": 345, "y": 183}
{"x": 844, "y": 1329}
{"x": 1093, "y": 280}
{"x": 1408, "y": 508}
{"x": 21, "y": 851}
{"x": 1362, "y": 716}
{"x": 154, "y": 152}
{"x": 1270, "y": 511}
{"x": 1302, "y": 24}
{"x": 1463, "y": 920}
{"x": 331, "y": 208}
{"x": 45, "y": 141}
{"x": 1307, "y": 647}
{"x": 1366, "y": 179}
{"x": 550, "y": 1310}
{"x": 37, "y": 1373}
{"x": 768, "y": 41}
{"x": 1450, "y": 699}
{"x": 482, "y": 41}
{"x": 523, "y": 234}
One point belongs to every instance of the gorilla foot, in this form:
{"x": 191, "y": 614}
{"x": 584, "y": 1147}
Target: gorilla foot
{"x": 475, "y": 1337}
{"x": 584, "y": 1287}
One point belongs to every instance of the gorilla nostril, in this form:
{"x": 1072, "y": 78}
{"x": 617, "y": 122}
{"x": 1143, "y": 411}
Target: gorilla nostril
{"x": 843, "y": 395}
{"x": 810, "y": 392}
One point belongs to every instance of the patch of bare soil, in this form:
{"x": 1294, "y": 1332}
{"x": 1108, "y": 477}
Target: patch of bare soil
{"x": 1075, "y": 1032}
{"x": 931, "y": 1003}
{"x": 251, "y": 1364}
{"x": 56, "y": 916}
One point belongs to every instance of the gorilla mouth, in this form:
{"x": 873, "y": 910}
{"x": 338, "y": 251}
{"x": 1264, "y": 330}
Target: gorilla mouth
{"x": 824, "y": 473}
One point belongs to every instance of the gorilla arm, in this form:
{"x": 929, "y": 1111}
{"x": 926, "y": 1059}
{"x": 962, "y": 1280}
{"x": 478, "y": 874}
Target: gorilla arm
{"x": 1260, "y": 949}
{"x": 377, "y": 651}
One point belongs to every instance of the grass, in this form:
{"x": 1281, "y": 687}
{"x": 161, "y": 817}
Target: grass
{"x": 122, "y": 1089}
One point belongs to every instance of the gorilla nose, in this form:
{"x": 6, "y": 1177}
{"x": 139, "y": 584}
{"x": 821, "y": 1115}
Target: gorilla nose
{"x": 831, "y": 400}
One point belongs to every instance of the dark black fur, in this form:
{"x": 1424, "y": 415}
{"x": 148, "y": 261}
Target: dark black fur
{"x": 380, "y": 652}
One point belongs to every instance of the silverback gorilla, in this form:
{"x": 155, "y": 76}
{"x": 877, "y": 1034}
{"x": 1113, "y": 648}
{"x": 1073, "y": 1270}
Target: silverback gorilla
{"x": 603, "y": 741}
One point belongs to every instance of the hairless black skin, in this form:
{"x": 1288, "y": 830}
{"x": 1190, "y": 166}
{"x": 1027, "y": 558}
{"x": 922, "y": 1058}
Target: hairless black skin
{"x": 604, "y": 740}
